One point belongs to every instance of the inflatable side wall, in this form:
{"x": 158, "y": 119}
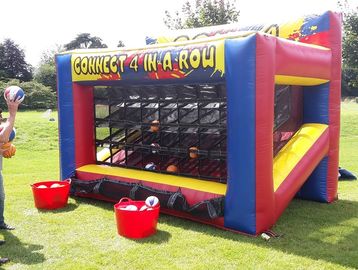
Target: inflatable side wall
{"x": 231, "y": 77}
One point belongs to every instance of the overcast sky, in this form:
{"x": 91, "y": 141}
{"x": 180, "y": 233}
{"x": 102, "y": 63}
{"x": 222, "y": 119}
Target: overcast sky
{"x": 39, "y": 25}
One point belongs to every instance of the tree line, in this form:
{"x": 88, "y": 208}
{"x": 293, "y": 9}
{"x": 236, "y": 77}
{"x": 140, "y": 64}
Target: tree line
{"x": 350, "y": 50}
{"x": 40, "y": 83}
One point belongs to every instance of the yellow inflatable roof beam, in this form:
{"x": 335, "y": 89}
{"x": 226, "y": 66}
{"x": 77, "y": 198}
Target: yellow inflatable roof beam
{"x": 291, "y": 154}
{"x": 171, "y": 180}
{"x": 293, "y": 80}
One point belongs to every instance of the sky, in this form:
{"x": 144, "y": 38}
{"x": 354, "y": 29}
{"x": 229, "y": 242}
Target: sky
{"x": 38, "y": 26}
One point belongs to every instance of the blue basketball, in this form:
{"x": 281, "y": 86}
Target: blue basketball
{"x": 12, "y": 135}
{"x": 150, "y": 166}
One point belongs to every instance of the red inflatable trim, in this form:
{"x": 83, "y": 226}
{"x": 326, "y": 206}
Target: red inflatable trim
{"x": 83, "y": 125}
{"x": 265, "y": 71}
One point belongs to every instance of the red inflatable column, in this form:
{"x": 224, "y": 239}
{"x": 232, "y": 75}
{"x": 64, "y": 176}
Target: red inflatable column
{"x": 265, "y": 85}
{"x": 335, "y": 43}
{"x": 83, "y": 125}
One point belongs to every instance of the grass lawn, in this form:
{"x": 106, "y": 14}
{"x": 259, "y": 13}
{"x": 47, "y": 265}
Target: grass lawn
{"x": 83, "y": 235}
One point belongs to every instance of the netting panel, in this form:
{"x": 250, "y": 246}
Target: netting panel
{"x": 178, "y": 129}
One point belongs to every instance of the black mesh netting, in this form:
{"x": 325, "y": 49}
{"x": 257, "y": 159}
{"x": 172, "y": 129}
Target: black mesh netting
{"x": 174, "y": 129}
{"x": 178, "y": 129}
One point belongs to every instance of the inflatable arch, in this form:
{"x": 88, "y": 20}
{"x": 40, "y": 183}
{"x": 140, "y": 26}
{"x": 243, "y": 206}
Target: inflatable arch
{"x": 225, "y": 130}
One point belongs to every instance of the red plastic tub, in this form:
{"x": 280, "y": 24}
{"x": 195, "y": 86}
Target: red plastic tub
{"x": 46, "y": 197}
{"x": 135, "y": 224}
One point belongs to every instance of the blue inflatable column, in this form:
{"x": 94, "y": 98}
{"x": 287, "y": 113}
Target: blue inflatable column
{"x": 240, "y": 65}
{"x": 65, "y": 115}
{"x": 315, "y": 110}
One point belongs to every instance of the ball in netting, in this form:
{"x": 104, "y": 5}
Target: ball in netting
{"x": 13, "y": 93}
{"x": 155, "y": 147}
{"x": 155, "y": 126}
{"x": 172, "y": 169}
{"x": 150, "y": 166}
{"x": 193, "y": 152}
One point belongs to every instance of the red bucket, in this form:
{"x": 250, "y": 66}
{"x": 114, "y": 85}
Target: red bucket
{"x": 47, "y": 197}
{"x": 136, "y": 224}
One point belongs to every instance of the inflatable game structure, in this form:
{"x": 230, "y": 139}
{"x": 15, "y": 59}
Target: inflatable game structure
{"x": 225, "y": 125}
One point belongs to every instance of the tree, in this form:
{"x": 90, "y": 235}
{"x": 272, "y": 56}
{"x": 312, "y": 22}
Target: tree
{"x": 12, "y": 62}
{"x": 350, "y": 39}
{"x": 46, "y": 72}
{"x": 85, "y": 41}
{"x": 200, "y": 13}
{"x": 46, "y": 75}
{"x": 120, "y": 44}
{"x": 350, "y": 52}
{"x": 37, "y": 96}
{"x": 48, "y": 56}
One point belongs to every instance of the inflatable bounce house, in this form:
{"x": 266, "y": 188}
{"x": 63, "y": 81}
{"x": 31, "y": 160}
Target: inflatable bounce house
{"x": 224, "y": 125}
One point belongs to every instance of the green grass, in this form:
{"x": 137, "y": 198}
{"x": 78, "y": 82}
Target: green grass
{"x": 83, "y": 235}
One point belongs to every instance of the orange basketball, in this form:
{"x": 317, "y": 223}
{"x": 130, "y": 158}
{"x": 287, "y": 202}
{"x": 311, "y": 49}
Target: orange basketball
{"x": 155, "y": 126}
{"x": 8, "y": 150}
{"x": 193, "y": 152}
{"x": 172, "y": 169}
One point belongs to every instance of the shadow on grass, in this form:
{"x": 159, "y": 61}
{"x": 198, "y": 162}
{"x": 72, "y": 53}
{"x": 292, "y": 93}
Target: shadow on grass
{"x": 327, "y": 232}
{"x": 102, "y": 204}
{"x": 159, "y": 237}
{"x": 313, "y": 230}
{"x": 69, "y": 207}
{"x": 19, "y": 252}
